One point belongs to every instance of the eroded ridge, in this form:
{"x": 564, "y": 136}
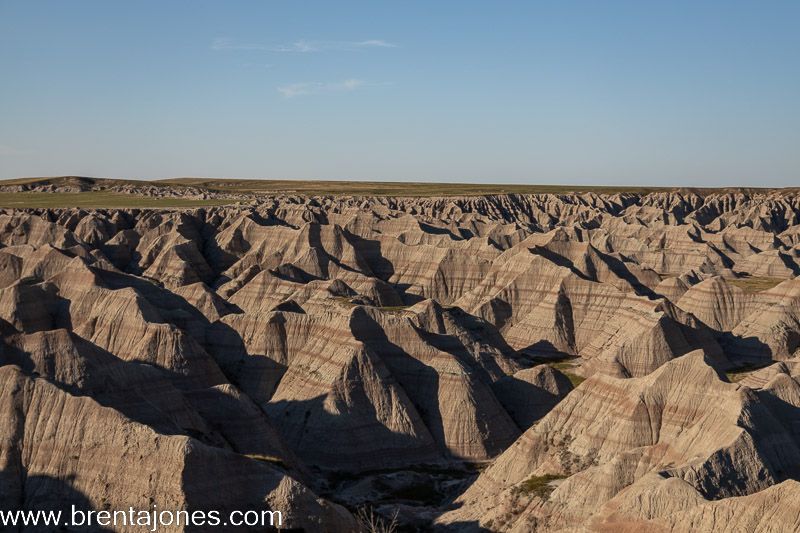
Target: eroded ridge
{"x": 608, "y": 362}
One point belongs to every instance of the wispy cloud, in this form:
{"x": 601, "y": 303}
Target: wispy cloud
{"x": 316, "y": 87}
{"x": 376, "y": 43}
{"x": 304, "y": 46}
{"x": 300, "y": 47}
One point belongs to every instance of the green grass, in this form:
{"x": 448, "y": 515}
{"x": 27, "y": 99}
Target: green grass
{"x": 271, "y": 459}
{"x": 735, "y": 376}
{"x": 389, "y": 188}
{"x": 564, "y": 367}
{"x": 392, "y": 308}
{"x": 574, "y": 378}
{"x": 538, "y": 486}
{"x": 370, "y": 188}
{"x": 755, "y": 284}
{"x": 739, "y": 374}
{"x": 456, "y": 470}
{"x": 98, "y": 199}
{"x": 386, "y": 308}
{"x": 394, "y": 188}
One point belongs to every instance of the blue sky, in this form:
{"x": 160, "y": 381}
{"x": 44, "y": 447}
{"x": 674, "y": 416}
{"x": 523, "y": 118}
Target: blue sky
{"x": 583, "y": 92}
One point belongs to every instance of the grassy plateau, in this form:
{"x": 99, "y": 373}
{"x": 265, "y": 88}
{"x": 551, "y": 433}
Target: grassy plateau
{"x": 98, "y": 199}
{"x": 95, "y": 193}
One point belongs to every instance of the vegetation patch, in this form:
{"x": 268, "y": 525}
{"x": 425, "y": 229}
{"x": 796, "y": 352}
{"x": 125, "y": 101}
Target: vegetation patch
{"x": 271, "y": 459}
{"x": 735, "y": 376}
{"x": 575, "y": 379}
{"x": 738, "y": 374}
{"x": 347, "y": 302}
{"x": 392, "y": 308}
{"x": 755, "y": 284}
{"x": 455, "y": 470}
{"x": 540, "y": 486}
{"x": 565, "y": 366}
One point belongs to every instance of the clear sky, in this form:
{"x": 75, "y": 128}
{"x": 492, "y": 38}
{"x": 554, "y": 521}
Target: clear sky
{"x": 668, "y": 92}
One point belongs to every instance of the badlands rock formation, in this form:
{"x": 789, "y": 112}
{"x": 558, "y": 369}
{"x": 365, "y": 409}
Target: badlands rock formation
{"x": 262, "y": 355}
